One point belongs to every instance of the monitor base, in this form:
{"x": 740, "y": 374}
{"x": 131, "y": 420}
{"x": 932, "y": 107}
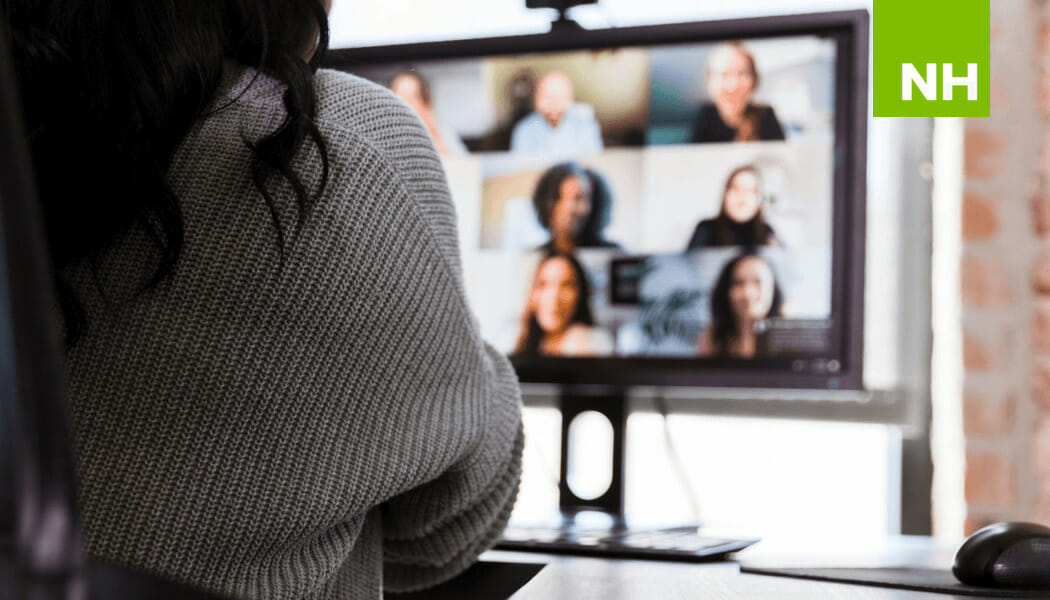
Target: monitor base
{"x": 611, "y": 404}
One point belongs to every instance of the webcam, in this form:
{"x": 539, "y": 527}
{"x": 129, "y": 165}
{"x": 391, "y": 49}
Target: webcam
{"x": 563, "y": 24}
{"x": 561, "y": 5}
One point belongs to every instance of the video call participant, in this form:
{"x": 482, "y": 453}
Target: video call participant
{"x": 574, "y": 204}
{"x": 414, "y": 89}
{"x": 745, "y": 294}
{"x": 732, "y": 116}
{"x": 557, "y": 125}
{"x": 244, "y": 415}
{"x": 557, "y": 320}
{"x": 741, "y": 218}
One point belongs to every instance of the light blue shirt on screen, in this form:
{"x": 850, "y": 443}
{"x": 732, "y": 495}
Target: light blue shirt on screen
{"x": 578, "y": 132}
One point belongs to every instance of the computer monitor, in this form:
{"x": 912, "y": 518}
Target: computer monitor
{"x": 666, "y": 205}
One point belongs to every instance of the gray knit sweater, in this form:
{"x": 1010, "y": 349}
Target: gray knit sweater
{"x": 321, "y": 428}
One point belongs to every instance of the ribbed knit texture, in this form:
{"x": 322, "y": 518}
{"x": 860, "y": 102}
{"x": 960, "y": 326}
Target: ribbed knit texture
{"x": 312, "y": 428}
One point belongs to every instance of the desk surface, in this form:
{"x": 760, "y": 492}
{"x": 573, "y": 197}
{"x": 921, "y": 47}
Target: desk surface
{"x": 579, "y": 578}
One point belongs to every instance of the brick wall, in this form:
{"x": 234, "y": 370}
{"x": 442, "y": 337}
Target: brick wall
{"x": 1005, "y": 277}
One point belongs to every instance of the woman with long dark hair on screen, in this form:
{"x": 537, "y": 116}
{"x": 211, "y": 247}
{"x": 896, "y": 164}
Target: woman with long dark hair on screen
{"x": 745, "y": 294}
{"x": 574, "y": 204}
{"x": 276, "y": 389}
{"x": 741, "y": 219}
{"x": 557, "y": 320}
{"x": 732, "y": 115}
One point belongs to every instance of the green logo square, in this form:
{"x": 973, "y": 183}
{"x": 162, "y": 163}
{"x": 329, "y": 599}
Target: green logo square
{"x": 931, "y": 58}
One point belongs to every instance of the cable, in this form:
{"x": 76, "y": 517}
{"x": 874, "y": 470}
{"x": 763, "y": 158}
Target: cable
{"x": 676, "y": 460}
{"x": 551, "y": 476}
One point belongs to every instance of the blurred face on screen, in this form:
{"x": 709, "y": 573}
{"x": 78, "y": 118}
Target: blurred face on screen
{"x": 751, "y": 290}
{"x": 554, "y": 295}
{"x": 730, "y": 81}
{"x": 409, "y": 89}
{"x": 571, "y": 209}
{"x": 743, "y": 198}
{"x": 554, "y": 96}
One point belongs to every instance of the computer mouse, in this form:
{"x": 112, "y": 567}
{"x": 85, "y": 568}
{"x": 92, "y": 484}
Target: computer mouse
{"x": 1006, "y": 555}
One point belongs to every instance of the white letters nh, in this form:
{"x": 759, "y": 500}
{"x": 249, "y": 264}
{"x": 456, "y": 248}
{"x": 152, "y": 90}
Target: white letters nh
{"x": 910, "y": 77}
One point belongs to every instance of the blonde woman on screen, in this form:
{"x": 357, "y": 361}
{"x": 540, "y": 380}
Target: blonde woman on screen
{"x": 732, "y": 115}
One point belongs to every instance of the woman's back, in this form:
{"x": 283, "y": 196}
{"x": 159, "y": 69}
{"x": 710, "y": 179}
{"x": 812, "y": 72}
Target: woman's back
{"x": 280, "y": 424}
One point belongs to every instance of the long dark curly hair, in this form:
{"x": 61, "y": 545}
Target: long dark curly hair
{"x": 548, "y": 190}
{"x": 111, "y": 88}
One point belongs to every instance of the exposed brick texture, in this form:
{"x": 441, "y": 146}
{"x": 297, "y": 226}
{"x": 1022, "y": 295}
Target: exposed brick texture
{"x": 1041, "y": 382}
{"x": 976, "y": 356}
{"x": 1041, "y": 276}
{"x": 1040, "y": 326}
{"x": 985, "y": 283}
{"x": 979, "y": 219}
{"x": 977, "y": 521}
{"x": 1041, "y": 510}
{"x": 983, "y": 416}
{"x": 1041, "y": 450}
{"x": 991, "y": 480}
{"x": 1005, "y": 277}
{"x": 1041, "y": 209}
{"x": 985, "y": 153}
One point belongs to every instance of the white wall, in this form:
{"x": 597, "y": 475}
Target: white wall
{"x": 371, "y": 23}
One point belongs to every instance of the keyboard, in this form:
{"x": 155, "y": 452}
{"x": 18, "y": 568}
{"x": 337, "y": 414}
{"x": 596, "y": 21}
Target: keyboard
{"x": 675, "y": 543}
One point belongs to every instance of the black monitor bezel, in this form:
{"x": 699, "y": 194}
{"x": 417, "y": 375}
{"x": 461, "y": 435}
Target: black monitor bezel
{"x": 850, "y": 30}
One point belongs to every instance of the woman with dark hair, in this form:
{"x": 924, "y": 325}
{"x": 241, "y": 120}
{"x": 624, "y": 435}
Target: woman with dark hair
{"x": 745, "y": 295}
{"x": 557, "y": 320}
{"x": 414, "y": 89}
{"x": 276, "y": 390}
{"x": 574, "y": 204}
{"x": 741, "y": 219}
{"x": 732, "y": 115}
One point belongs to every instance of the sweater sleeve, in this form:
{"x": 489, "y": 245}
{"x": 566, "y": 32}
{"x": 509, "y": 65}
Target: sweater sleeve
{"x": 437, "y": 530}
{"x": 456, "y": 502}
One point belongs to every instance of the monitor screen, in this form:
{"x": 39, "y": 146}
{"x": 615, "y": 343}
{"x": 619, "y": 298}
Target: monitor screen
{"x": 653, "y": 207}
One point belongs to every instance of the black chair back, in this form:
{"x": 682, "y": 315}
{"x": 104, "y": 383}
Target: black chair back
{"x": 46, "y": 534}
{"x": 41, "y": 552}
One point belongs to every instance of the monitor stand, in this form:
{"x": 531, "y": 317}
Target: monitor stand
{"x": 563, "y": 24}
{"x": 598, "y": 526}
{"x": 612, "y": 404}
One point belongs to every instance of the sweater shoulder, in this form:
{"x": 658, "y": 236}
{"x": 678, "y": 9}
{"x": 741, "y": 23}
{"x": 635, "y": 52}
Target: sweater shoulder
{"x": 352, "y": 104}
{"x": 361, "y": 112}
{"x": 369, "y": 136}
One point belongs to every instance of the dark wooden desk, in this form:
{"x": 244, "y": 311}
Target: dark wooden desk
{"x": 577, "y": 578}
